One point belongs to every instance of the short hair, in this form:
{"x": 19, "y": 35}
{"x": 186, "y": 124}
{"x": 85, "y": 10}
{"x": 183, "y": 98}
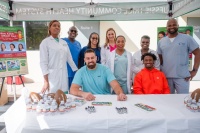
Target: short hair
{"x": 12, "y": 45}
{"x": 89, "y": 51}
{"x": 73, "y": 27}
{"x": 120, "y": 36}
{"x": 188, "y": 30}
{"x": 149, "y": 54}
{"x": 162, "y": 32}
{"x": 145, "y": 37}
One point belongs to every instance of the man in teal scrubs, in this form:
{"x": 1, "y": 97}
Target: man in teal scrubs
{"x": 173, "y": 51}
{"x": 94, "y": 78}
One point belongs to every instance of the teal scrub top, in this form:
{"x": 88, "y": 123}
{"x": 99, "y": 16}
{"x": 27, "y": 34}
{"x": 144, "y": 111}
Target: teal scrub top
{"x": 95, "y": 81}
{"x": 120, "y": 70}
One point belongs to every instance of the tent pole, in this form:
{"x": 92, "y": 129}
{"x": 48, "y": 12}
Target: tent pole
{"x": 24, "y": 27}
{"x": 170, "y": 13}
{"x": 10, "y": 3}
{"x": 11, "y": 23}
{"x": 11, "y": 14}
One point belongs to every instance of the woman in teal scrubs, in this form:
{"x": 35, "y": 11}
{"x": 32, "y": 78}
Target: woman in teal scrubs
{"x": 120, "y": 64}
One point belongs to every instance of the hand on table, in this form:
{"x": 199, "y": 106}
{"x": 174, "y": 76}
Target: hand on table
{"x": 121, "y": 97}
{"x": 197, "y": 93}
{"x": 88, "y": 96}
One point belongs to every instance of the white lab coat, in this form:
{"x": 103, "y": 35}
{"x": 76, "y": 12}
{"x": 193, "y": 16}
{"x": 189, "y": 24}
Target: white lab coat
{"x": 53, "y": 58}
{"x": 111, "y": 62}
{"x": 105, "y": 53}
{"x": 138, "y": 63}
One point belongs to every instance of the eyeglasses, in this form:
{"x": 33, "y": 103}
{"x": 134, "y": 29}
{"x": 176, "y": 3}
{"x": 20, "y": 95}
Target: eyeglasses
{"x": 94, "y": 38}
{"x": 73, "y": 31}
{"x": 145, "y": 42}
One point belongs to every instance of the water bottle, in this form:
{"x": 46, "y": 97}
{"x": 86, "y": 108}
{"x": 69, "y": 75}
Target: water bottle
{"x": 28, "y": 104}
{"x": 45, "y": 98}
{"x": 49, "y": 97}
{"x": 73, "y": 106}
{"x": 34, "y": 104}
{"x": 198, "y": 105}
{"x": 194, "y": 107}
{"x": 39, "y": 106}
{"x": 68, "y": 106}
{"x": 46, "y": 108}
{"x": 53, "y": 107}
{"x": 62, "y": 106}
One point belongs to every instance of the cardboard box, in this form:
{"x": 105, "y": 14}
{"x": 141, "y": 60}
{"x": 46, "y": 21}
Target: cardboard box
{"x": 4, "y": 95}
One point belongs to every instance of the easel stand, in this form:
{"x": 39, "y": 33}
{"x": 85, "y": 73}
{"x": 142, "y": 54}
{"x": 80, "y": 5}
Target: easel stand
{"x": 3, "y": 78}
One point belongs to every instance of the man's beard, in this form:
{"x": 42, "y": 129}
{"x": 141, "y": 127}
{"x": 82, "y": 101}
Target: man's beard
{"x": 91, "y": 66}
{"x": 173, "y": 32}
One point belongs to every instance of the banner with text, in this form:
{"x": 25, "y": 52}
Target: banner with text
{"x": 13, "y": 59}
{"x": 4, "y": 10}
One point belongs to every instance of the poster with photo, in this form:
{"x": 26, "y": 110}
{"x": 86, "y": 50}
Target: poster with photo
{"x": 183, "y": 29}
{"x": 13, "y": 60}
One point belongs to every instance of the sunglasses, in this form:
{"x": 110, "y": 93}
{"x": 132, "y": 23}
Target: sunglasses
{"x": 73, "y": 31}
{"x": 94, "y": 38}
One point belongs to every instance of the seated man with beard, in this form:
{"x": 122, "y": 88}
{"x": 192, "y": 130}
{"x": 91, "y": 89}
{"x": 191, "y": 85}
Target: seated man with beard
{"x": 94, "y": 78}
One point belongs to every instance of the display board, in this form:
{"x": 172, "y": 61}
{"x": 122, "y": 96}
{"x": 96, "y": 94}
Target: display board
{"x": 185, "y": 30}
{"x": 13, "y": 60}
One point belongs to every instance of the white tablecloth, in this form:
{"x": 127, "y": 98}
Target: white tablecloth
{"x": 170, "y": 116}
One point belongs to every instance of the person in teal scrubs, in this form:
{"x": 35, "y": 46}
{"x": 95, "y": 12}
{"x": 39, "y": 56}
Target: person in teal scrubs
{"x": 120, "y": 63}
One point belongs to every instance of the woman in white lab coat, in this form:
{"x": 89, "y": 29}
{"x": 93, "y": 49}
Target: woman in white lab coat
{"x": 54, "y": 53}
{"x": 137, "y": 62}
{"x": 120, "y": 63}
{"x": 109, "y": 46}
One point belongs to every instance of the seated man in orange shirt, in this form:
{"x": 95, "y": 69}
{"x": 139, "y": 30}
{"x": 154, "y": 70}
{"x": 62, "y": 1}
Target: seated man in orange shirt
{"x": 150, "y": 80}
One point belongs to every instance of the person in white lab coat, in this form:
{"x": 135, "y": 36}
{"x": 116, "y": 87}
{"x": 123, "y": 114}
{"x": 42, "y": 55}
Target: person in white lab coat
{"x": 120, "y": 63}
{"x": 54, "y": 53}
{"x": 137, "y": 62}
{"x": 109, "y": 46}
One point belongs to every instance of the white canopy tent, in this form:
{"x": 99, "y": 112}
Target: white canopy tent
{"x": 41, "y": 10}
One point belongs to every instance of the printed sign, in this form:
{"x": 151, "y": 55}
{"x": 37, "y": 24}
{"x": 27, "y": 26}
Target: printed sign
{"x": 13, "y": 59}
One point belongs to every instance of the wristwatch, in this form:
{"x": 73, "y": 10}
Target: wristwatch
{"x": 195, "y": 70}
